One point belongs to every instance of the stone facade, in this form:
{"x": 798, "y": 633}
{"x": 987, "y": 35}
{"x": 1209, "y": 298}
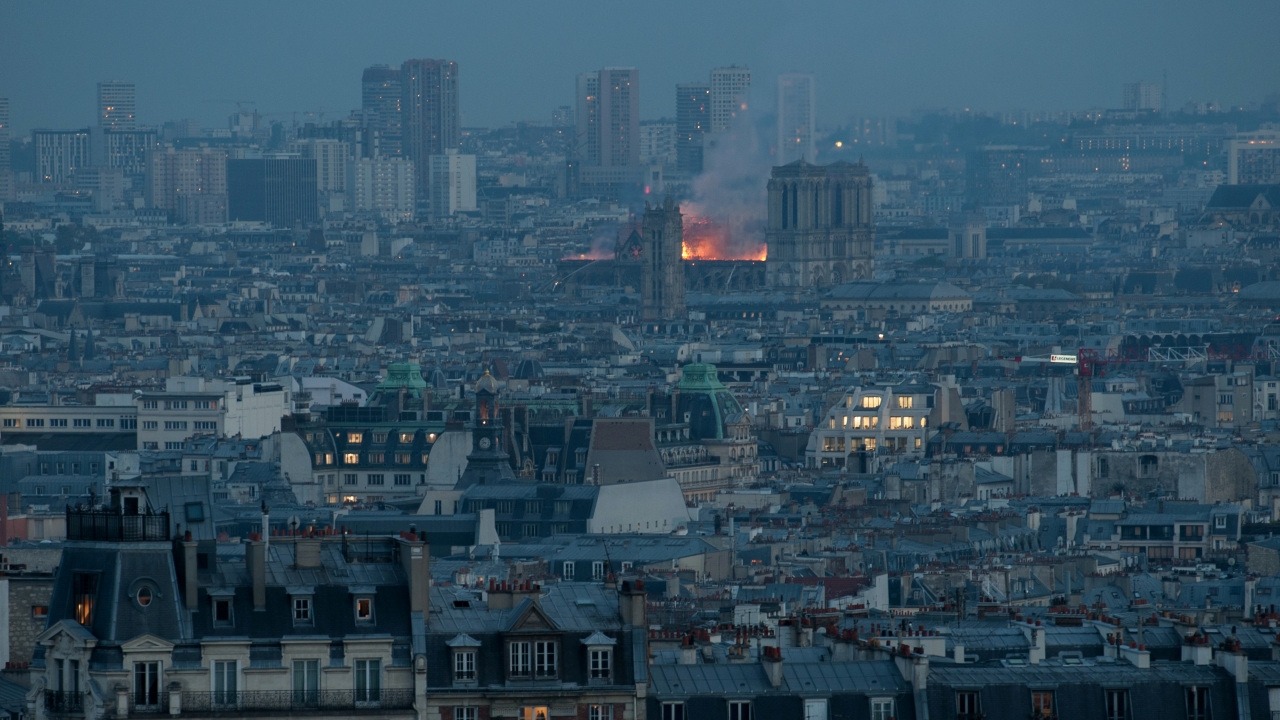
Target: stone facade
{"x": 820, "y": 229}
{"x": 662, "y": 270}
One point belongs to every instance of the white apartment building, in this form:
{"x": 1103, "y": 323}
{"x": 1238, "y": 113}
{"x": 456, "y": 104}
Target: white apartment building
{"x": 877, "y": 420}
{"x": 730, "y": 92}
{"x": 452, "y": 180}
{"x": 331, "y": 158}
{"x": 658, "y": 143}
{"x": 191, "y": 406}
{"x": 111, "y": 413}
{"x": 383, "y": 185}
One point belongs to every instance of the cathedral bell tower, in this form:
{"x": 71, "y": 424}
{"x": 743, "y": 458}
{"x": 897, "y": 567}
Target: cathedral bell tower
{"x": 662, "y": 263}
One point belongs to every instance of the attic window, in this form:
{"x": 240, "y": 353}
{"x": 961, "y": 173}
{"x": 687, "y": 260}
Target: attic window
{"x": 364, "y": 610}
{"x": 144, "y": 596}
{"x": 222, "y": 612}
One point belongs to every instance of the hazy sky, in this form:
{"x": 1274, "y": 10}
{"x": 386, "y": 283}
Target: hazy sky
{"x": 517, "y": 59}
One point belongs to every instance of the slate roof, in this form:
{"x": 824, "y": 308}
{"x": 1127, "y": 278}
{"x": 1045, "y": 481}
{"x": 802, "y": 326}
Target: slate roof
{"x": 797, "y": 678}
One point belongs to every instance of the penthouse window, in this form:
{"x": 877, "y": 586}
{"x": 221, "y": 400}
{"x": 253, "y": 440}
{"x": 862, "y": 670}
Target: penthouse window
{"x": 871, "y": 402}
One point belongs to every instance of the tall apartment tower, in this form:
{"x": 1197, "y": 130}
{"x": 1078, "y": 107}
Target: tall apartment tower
{"x": 662, "y": 269}
{"x": 59, "y": 153}
{"x": 6, "y": 177}
{"x": 608, "y": 118}
{"x": 430, "y": 121}
{"x": 820, "y": 229}
{"x": 693, "y": 119}
{"x": 730, "y": 91}
{"x": 116, "y": 105}
{"x": 1143, "y": 95}
{"x": 380, "y": 98}
{"x": 796, "y": 114}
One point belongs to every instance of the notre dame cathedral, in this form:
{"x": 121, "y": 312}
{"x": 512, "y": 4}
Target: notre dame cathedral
{"x": 662, "y": 275}
{"x": 819, "y": 232}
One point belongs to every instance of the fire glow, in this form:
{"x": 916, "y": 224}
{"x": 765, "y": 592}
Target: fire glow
{"x": 707, "y": 239}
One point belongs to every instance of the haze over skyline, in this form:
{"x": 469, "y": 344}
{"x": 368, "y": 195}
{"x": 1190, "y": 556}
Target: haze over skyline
{"x": 518, "y": 61}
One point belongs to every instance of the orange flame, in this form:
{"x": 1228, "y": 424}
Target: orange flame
{"x": 706, "y": 239}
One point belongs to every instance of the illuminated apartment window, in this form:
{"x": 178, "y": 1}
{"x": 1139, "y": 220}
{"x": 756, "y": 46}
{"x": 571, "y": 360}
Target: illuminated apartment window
{"x": 871, "y": 402}
{"x": 84, "y": 592}
{"x": 905, "y": 401}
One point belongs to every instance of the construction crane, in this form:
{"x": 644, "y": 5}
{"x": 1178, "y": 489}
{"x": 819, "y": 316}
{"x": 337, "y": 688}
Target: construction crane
{"x": 1087, "y": 362}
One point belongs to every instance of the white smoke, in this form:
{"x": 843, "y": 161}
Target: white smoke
{"x": 732, "y": 188}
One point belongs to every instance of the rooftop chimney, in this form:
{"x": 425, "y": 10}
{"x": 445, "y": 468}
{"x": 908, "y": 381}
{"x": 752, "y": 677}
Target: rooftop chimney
{"x": 771, "y": 658}
{"x": 255, "y": 558}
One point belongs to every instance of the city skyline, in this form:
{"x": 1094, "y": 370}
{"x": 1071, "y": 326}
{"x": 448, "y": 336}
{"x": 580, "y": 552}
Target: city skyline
{"x": 948, "y": 58}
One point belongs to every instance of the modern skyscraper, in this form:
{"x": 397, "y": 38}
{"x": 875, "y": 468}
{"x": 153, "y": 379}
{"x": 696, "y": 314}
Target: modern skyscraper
{"x": 190, "y": 183}
{"x": 59, "y": 153}
{"x": 381, "y": 95}
{"x": 662, "y": 268}
{"x": 796, "y": 118}
{"x": 453, "y": 183}
{"x": 429, "y": 113}
{"x": 276, "y": 190}
{"x": 730, "y": 92}
{"x": 6, "y": 176}
{"x": 125, "y": 150}
{"x": 1143, "y": 95}
{"x": 820, "y": 229}
{"x": 693, "y": 118}
{"x": 383, "y": 185}
{"x": 116, "y": 105}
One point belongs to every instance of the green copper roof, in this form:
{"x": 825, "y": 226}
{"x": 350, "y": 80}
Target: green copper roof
{"x": 700, "y": 377}
{"x": 403, "y": 375}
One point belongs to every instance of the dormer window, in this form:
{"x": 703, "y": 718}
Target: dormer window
{"x": 364, "y": 610}
{"x": 464, "y": 665}
{"x": 601, "y": 663}
{"x": 302, "y": 610}
{"x": 222, "y": 611}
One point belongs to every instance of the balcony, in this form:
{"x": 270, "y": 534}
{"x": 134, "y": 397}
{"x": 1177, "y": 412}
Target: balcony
{"x": 292, "y": 701}
{"x": 58, "y": 702}
{"x": 110, "y": 526}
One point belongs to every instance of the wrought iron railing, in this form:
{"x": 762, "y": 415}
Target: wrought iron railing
{"x": 59, "y": 701}
{"x": 295, "y": 700}
{"x": 154, "y": 705}
{"x": 108, "y": 526}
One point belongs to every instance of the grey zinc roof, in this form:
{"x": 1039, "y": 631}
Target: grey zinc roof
{"x": 749, "y": 678}
{"x": 573, "y": 607}
{"x": 1115, "y": 673}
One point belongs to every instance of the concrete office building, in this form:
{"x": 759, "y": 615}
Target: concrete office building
{"x": 384, "y": 185}
{"x": 331, "y": 158}
{"x": 116, "y": 105}
{"x": 1254, "y": 158}
{"x": 608, "y": 118}
{"x": 730, "y": 93}
{"x": 429, "y": 112}
{"x": 1146, "y": 96}
{"x": 658, "y": 143}
{"x": 796, "y": 118}
{"x": 124, "y": 150}
{"x": 381, "y": 94}
{"x": 59, "y": 153}
{"x": 191, "y": 406}
{"x": 279, "y": 190}
{"x": 190, "y": 183}
{"x": 693, "y": 118}
{"x": 453, "y": 183}
{"x": 6, "y": 179}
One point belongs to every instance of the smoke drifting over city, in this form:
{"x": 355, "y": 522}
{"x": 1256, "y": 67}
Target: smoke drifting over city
{"x": 685, "y": 361}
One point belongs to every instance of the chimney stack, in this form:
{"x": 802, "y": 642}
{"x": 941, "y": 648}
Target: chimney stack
{"x": 771, "y": 658}
{"x": 415, "y": 556}
{"x": 255, "y": 557}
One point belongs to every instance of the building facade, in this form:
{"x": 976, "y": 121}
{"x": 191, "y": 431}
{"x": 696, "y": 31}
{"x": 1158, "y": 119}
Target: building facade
{"x": 384, "y": 185}
{"x": 730, "y": 93}
{"x": 608, "y": 118}
{"x": 429, "y": 113}
{"x": 819, "y": 230}
{"x": 693, "y": 119}
{"x": 116, "y": 105}
{"x": 276, "y": 190}
{"x": 381, "y": 95}
{"x": 59, "y": 153}
{"x": 453, "y": 183}
{"x": 190, "y": 183}
{"x": 796, "y": 117}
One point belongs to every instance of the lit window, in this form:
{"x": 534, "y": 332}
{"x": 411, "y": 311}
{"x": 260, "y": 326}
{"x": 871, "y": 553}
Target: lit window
{"x": 871, "y": 402}
{"x": 905, "y": 401}
{"x": 364, "y": 610}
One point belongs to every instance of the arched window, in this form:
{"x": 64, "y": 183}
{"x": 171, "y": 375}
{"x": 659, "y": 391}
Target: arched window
{"x": 785, "y": 207}
{"x": 837, "y": 210}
